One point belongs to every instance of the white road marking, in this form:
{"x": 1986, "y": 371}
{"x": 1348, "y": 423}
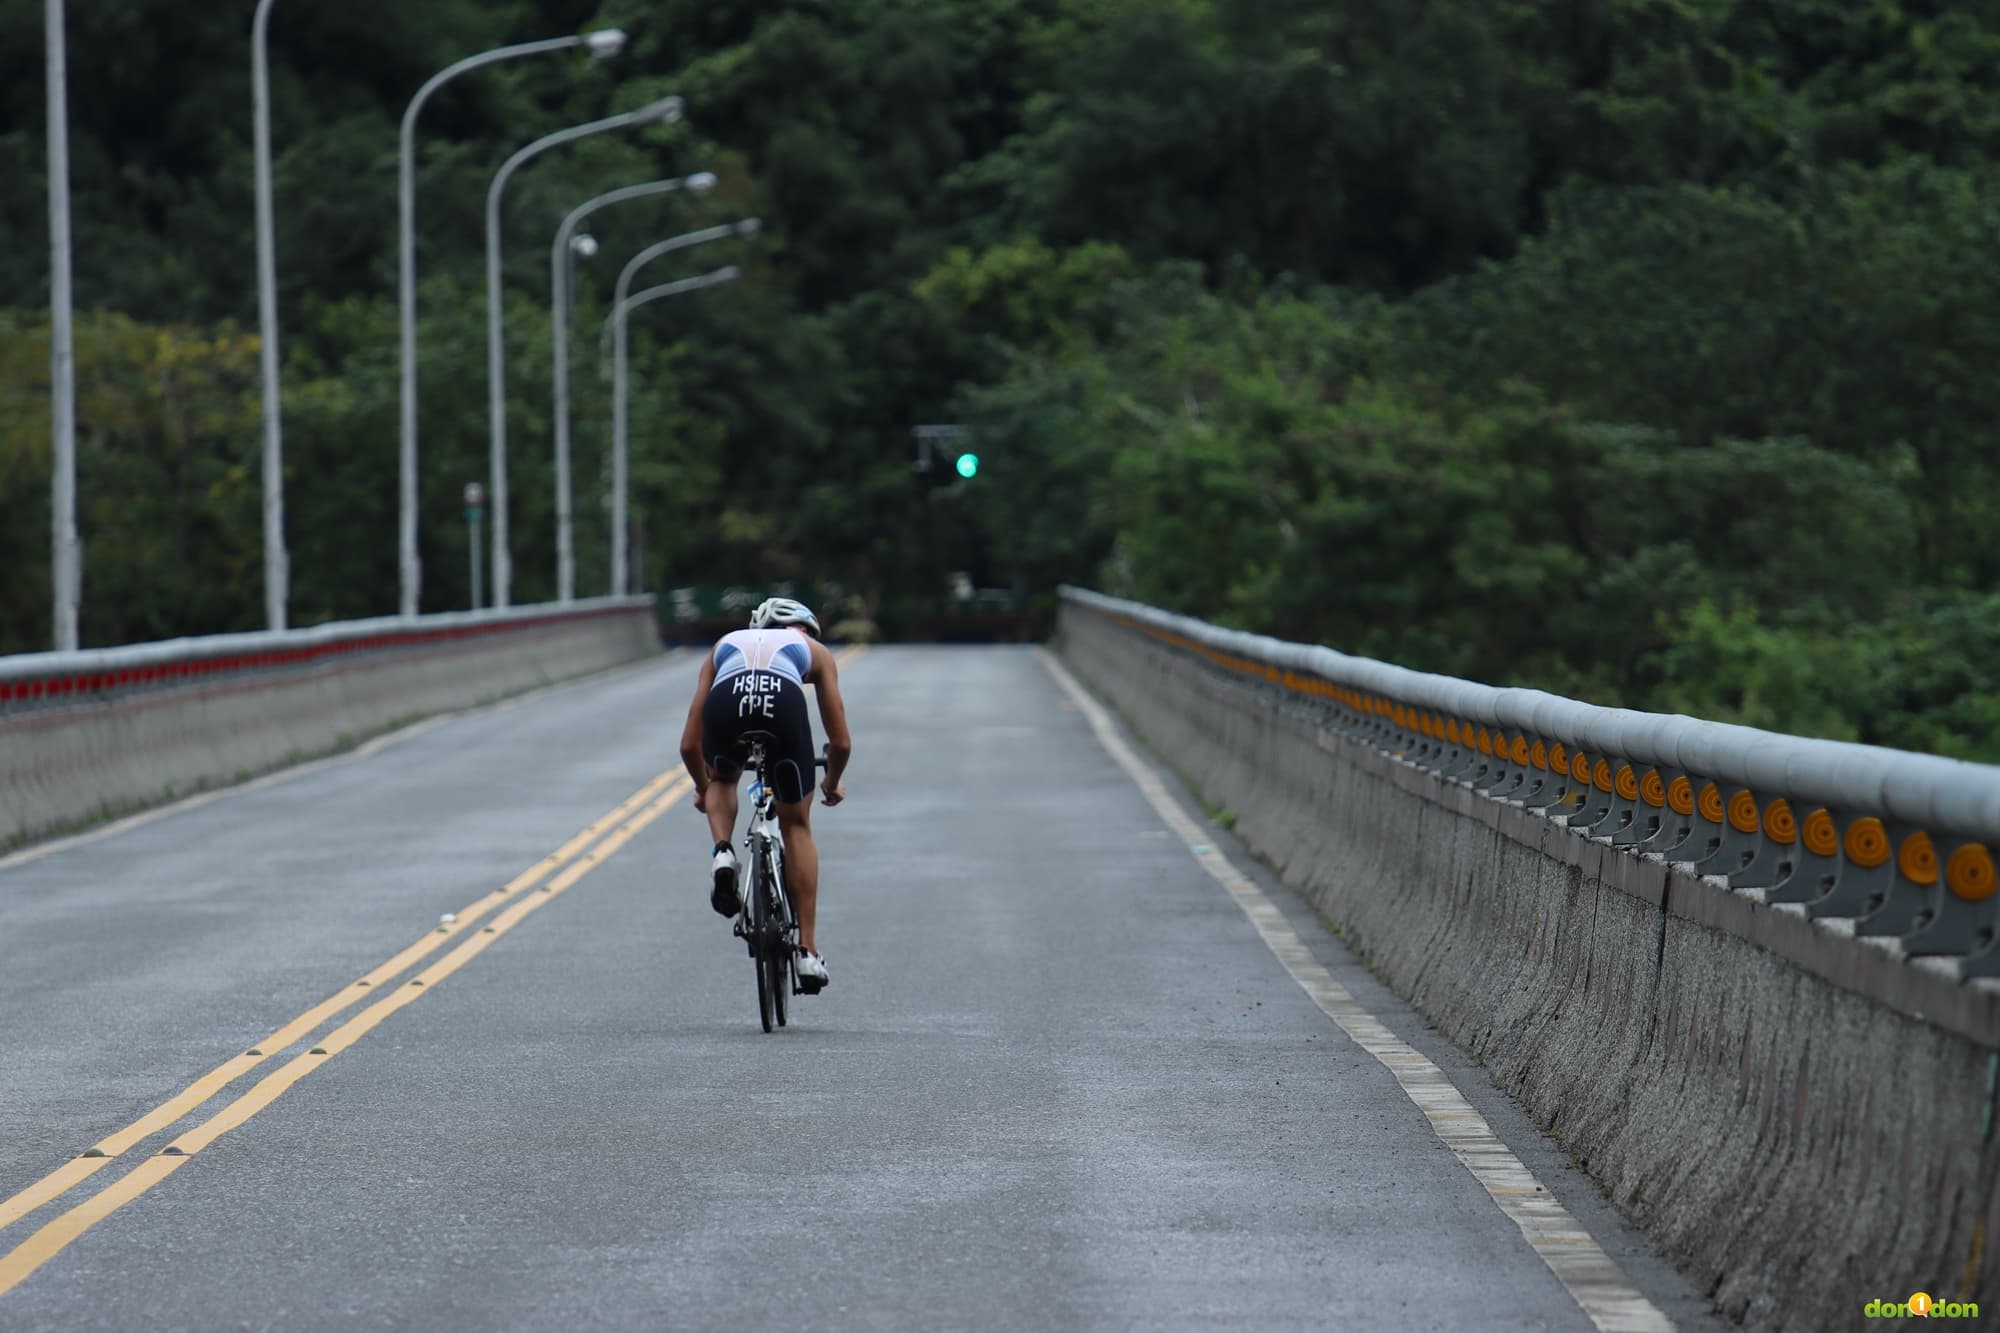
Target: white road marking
{"x": 1592, "y": 1278}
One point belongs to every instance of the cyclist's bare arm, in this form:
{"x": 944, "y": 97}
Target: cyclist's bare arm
{"x": 825, "y": 680}
{"x": 691, "y": 755}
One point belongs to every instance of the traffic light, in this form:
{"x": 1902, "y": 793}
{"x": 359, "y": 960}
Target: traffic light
{"x": 968, "y": 465}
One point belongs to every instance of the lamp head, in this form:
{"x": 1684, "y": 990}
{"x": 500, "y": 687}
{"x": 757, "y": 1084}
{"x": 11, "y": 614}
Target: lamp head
{"x": 584, "y": 244}
{"x": 663, "y": 112}
{"x": 604, "y": 43}
{"x": 701, "y": 182}
{"x": 749, "y": 226}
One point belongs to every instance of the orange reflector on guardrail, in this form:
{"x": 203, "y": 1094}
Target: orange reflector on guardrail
{"x": 1867, "y": 842}
{"x": 1917, "y": 859}
{"x": 1969, "y": 873}
{"x": 1680, "y": 795}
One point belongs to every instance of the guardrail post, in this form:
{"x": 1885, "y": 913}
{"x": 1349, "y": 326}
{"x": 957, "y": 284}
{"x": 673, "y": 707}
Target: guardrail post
{"x": 1866, "y": 874}
{"x": 1470, "y": 760}
{"x": 1816, "y": 864}
{"x": 1498, "y": 768}
{"x": 1970, "y": 879}
{"x": 1536, "y": 776}
{"x": 1436, "y": 750}
{"x": 1520, "y": 768}
{"x": 1706, "y": 832}
{"x": 1466, "y": 767}
{"x": 1963, "y": 913}
{"x": 1912, "y": 871}
{"x": 1556, "y": 790}
{"x": 1594, "y": 785}
{"x": 1676, "y": 812}
{"x": 1741, "y": 839}
{"x": 1776, "y": 855}
{"x": 1646, "y": 811}
{"x": 1625, "y": 824}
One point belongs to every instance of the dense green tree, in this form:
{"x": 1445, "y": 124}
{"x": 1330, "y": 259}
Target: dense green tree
{"x": 1634, "y": 348}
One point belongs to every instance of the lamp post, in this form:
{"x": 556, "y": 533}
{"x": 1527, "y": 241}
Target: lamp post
{"x": 277, "y": 572}
{"x": 65, "y": 558}
{"x": 560, "y": 279}
{"x": 619, "y": 579}
{"x": 602, "y": 45}
{"x": 667, "y": 109}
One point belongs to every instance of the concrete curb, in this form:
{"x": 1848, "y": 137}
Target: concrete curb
{"x": 84, "y": 754}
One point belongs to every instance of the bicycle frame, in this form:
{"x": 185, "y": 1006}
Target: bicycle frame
{"x": 762, "y": 838}
{"x": 776, "y": 942}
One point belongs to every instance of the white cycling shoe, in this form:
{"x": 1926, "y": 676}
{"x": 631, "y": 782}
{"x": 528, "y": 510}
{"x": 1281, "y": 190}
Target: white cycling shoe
{"x": 724, "y": 897}
{"x": 812, "y": 972}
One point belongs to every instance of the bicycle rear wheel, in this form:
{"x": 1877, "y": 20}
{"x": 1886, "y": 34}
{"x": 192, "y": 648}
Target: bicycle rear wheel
{"x": 779, "y": 981}
{"x": 762, "y": 931}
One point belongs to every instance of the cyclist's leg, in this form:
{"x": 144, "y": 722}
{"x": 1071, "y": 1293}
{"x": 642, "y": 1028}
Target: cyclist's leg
{"x": 792, "y": 773}
{"x": 801, "y": 865}
{"x": 722, "y": 802}
{"x": 722, "y": 739}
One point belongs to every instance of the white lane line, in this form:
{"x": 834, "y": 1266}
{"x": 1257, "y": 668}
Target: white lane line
{"x": 1593, "y": 1279}
{"x": 126, "y": 823}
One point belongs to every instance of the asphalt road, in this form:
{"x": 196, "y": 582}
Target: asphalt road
{"x": 1058, "y": 1080}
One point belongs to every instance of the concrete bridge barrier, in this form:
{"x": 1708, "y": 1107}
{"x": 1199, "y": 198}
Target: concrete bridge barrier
{"x": 1773, "y": 1037}
{"x": 89, "y": 734}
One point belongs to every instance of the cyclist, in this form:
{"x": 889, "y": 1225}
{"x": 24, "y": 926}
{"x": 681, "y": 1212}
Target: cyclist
{"x": 753, "y": 682}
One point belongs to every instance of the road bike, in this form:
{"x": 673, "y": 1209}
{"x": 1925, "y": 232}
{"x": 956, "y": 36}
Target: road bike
{"x": 766, "y": 923}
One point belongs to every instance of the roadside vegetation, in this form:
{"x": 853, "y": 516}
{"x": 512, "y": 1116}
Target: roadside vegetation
{"x": 1637, "y": 349}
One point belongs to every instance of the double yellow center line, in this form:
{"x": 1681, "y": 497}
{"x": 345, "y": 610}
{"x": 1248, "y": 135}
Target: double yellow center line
{"x": 553, "y": 874}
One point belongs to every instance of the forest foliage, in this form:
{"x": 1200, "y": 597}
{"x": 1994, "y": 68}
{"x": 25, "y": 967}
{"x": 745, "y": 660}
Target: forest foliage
{"x": 1636, "y": 349}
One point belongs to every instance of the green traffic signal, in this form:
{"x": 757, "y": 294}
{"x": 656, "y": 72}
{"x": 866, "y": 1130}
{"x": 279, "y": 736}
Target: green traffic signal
{"x": 968, "y": 465}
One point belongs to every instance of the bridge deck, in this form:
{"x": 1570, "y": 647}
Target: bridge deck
{"x": 1059, "y": 1078}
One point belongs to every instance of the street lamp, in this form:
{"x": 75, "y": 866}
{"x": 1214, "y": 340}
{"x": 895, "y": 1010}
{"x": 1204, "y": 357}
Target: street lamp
{"x": 619, "y": 580}
{"x": 277, "y": 574}
{"x": 560, "y": 275}
{"x": 722, "y": 231}
{"x": 66, "y": 560}
{"x": 667, "y": 109}
{"x": 602, "y": 45}
{"x": 742, "y": 227}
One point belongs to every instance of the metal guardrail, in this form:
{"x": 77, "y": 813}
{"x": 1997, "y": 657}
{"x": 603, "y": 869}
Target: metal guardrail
{"x": 1900, "y": 844}
{"x": 36, "y": 681}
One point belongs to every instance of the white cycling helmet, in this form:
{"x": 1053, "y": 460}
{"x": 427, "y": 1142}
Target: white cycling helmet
{"x": 784, "y": 611}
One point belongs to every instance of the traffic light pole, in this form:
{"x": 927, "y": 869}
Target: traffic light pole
{"x": 927, "y": 436}
{"x": 475, "y": 514}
